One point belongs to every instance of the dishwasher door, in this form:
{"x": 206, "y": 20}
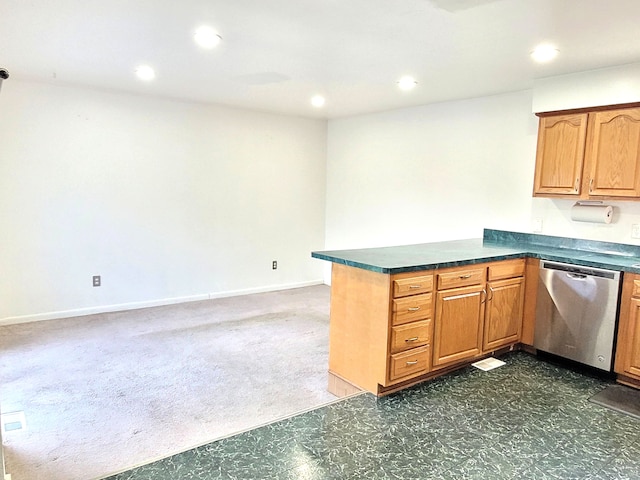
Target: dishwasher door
{"x": 576, "y": 313}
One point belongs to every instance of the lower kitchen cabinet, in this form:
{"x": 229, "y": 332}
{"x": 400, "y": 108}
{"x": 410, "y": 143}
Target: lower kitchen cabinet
{"x": 380, "y": 329}
{"x": 481, "y": 317}
{"x": 409, "y": 363}
{"x": 627, "y": 363}
{"x": 389, "y": 331}
{"x": 458, "y": 327}
{"x": 503, "y": 315}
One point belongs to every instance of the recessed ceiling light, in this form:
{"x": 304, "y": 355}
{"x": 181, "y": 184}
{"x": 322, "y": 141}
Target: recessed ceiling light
{"x": 206, "y": 37}
{"x": 544, "y": 53}
{"x": 317, "y": 101}
{"x": 145, "y": 72}
{"x": 407, "y": 83}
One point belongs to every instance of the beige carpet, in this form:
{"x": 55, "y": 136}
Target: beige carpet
{"x": 103, "y": 393}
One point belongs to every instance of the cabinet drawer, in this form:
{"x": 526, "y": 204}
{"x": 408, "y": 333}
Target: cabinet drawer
{"x": 412, "y": 362}
{"x": 410, "y": 335}
{"x": 460, "y": 278}
{"x": 411, "y": 308}
{"x": 412, "y": 285}
{"x": 507, "y": 269}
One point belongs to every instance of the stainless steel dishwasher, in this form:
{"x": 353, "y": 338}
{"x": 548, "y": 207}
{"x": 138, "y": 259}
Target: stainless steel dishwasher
{"x": 576, "y": 313}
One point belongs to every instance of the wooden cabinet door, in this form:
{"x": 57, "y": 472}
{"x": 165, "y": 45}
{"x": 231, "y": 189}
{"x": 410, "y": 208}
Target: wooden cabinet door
{"x": 613, "y": 153}
{"x": 458, "y": 324}
{"x": 503, "y": 315}
{"x": 632, "y": 350}
{"x": 560, "y": 154}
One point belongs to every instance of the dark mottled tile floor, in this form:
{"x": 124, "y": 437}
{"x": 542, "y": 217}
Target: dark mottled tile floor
{"x": 528, "y": 419}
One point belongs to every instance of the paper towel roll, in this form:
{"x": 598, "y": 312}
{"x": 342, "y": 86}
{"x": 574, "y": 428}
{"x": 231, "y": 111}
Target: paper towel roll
{"x": 592, "y": 213}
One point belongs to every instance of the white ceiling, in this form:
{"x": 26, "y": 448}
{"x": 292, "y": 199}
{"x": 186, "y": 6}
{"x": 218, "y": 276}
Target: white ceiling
{"x": 276, "y": 54}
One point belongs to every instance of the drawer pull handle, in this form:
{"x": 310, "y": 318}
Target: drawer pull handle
{"x": 415, "y": 286}
{"x": 412, "y": 363}
{"x": 463, "y": 277}
{"x": 412, "y": 339}
{"x": 413, "y": 309}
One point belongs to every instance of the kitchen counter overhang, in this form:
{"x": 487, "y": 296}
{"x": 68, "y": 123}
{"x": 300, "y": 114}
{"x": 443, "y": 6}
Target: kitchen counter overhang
{"x": 495, "y": 245}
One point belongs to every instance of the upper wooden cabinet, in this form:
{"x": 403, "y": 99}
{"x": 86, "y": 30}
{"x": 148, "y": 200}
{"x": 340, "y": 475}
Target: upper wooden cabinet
{"x": 560, "y": 156}
{"x": 589, "y": 154}
{"x": 613, "y": 153}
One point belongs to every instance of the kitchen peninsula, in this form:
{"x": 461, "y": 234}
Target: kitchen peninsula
{"x": 402, "y": 315}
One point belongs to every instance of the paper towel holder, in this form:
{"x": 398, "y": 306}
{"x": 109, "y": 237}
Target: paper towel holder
{"x": 588, "y": 203}
{"x": 592, "y": 211}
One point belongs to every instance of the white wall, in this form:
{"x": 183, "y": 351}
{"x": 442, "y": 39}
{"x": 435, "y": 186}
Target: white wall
{"x": 604, "y": 86}
{"x": 165, "y": 200}
{"x": 445, "y": 171}
{"x": 437, "y": 172}
{"x": 556, "y": 220}
{"x": 171, "y": 201}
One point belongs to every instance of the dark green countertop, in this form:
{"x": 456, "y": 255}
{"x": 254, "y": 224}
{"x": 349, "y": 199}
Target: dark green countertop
{"x": 495, "y": 245}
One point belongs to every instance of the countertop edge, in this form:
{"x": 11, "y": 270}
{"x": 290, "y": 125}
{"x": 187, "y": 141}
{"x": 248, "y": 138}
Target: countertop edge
{"x": 524, "y": 253}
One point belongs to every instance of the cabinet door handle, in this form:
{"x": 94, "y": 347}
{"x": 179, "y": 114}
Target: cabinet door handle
{"x": 412, "y": 339}
{"x": 485, "y": 296}
{"x": 591, "y": 185}
{"x": 413, "y": 309}
{"x": 491, "y": 297}
{"x": 462, "y": 277}
{"x": 412, "y": 363}
{"x": 577, "y": 183}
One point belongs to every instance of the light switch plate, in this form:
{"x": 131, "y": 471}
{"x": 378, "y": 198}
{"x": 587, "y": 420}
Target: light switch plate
{"x": 635, "y": 230}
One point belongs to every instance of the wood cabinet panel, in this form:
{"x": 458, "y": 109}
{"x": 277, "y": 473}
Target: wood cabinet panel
{"x": 461, "y": 278}
{"x": 384, "y": 335}
{"x": 412, "y": 285}
{"x": 613, "y": 153}
{"x": 411, "y": 335}
{"x": 627, "y": 361}
{"x": 411, "y": 308}
{"x": 506, "y": 269}
{"x": 503, "y": 316}
{"x": 458, "y": 326}
{"x": 532, "y": 272}
{"x": 409, "y": 363}
{"x": 632, "y": 364}
{"x": 410, "y": 328}
{"x": 560, "y": 154}
{"x": 359, "y": 326}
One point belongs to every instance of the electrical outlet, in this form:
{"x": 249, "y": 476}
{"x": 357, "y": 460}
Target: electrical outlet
{"x": 536, "y": 225}
{"x": 97, "y": 280}
{"x": 635, "y": 230}
{"x": 274, "y": 265}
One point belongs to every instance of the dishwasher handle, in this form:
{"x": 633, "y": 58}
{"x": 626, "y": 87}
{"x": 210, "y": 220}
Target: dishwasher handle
{"x": 580, "y": 270}
{"x": 577, "y": 276}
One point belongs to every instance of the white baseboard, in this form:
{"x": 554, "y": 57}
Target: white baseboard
{"x": 150, "y": 303}
{"x": 271, "y": 288}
